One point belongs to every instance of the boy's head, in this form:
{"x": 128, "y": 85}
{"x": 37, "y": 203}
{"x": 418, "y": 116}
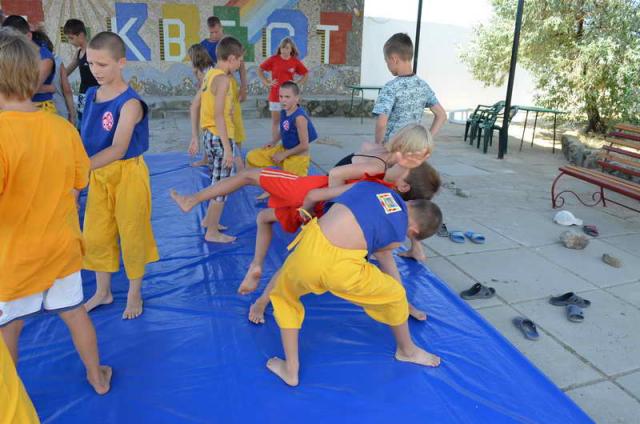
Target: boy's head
{"x": 42, "y": 39}
{"x": 215, "y": 28}
{"x": 398, "y": 51}
{"x": 19, "y": 62}
{"x": 289, "y": 95}
{"x": 18, "y": 23}
{"x": 412, "y": 139}
{"x": 287, "y": 48}
{"x": 106, "y": 56}
{"x": 230, "y": 51}
{"x": 422, "y": 182}
{"x": 75, "y": 31}
{"x": 425, "y": 217}
{"x": 200, "y": 59}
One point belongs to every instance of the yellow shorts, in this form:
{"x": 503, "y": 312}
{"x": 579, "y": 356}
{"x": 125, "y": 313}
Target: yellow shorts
{"x": 239, "y": 134}
{"x": 16, "y": 407}
{"x": 47, "y": 106}
{"x": 261, "y": 158}
{"x": 317, "y": 266}
{"x": 118, "y": 216}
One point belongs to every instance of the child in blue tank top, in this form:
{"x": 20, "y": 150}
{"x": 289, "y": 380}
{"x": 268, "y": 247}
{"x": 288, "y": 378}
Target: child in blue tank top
{"x": 365, "y": 218}
{"x": 115, "y": 133}
{"x": 296, "y": 132}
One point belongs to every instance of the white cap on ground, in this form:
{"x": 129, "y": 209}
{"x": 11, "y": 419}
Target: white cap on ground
{"x": 566, "y": 218}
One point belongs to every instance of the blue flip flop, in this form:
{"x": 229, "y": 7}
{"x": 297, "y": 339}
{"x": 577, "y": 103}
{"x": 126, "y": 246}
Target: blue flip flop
{"x": 476, "y": 238}
{"x": 457, "y": 236}
{"x": 527, "y": 327}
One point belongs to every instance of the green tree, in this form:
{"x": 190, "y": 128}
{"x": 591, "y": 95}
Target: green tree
{"x": 584, "y": 55}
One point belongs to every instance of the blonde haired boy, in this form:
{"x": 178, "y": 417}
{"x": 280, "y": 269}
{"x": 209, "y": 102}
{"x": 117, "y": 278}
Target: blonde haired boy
{"x": 42, "y": 164}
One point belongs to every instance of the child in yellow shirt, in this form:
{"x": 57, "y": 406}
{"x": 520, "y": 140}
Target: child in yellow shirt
{"x": 42, "y": 164}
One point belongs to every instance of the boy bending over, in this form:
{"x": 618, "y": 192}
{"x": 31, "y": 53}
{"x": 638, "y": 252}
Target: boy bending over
{"x": 366, "y": 219}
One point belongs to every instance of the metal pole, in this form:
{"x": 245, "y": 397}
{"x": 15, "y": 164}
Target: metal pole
{"x": 417, "y": 44}
{"x": 504, "y": 131}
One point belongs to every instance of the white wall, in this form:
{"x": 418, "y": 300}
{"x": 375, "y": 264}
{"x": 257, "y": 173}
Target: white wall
{"x": 446, "y": 27}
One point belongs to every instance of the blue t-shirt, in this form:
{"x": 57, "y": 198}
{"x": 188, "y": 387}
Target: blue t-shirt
{"x": 380, "y": 212}
{"x": 44, "y": 55}
{"x": 403, "y": 100}
{"x": 100, "y": 120}
{"x": 211, "y": 48}
{"x": 289, "y": 131}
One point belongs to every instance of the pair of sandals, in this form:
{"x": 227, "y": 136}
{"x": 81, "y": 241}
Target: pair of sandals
{"x": 570, "y": 300}
{"x": 459, "y": 236}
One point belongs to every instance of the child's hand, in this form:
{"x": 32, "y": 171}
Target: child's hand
{"x": 412, "y": 160}
{"x": 279, "y": 157}
{"x": 227, "y": 158}
{"x": 193, "y": 146}
{"x": 267, "y": 83}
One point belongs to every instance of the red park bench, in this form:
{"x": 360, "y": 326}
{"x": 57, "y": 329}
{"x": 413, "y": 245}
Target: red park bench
{"x": 620, "y": 156}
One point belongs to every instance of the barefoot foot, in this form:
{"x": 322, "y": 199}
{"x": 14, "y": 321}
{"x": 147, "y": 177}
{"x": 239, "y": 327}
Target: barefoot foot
{"x": 201, "y": 162}
{"x": 416, "y": 313}
{"x": 251, "y": 280}
{"x": 256, "y": 312}
{"x": 134, "y": 307}
{"x": 102, "y": 382}
{"x": 186, "y": 203}
{"x": 98, "y": 299}
{"x": 279, "y": 368}
{"x": 218, "y": 237}
{"x": 222, "y": 227}
{"x": 418, "y": 356}
{"x": 418, "y": 256}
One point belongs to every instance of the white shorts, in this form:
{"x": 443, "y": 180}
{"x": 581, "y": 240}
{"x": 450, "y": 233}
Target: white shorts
{"x": 275, "y": 106}
{"x": 65, "y": 293}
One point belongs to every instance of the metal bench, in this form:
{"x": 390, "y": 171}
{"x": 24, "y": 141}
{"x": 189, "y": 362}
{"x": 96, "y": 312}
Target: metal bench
{"x": 622, "y": 157}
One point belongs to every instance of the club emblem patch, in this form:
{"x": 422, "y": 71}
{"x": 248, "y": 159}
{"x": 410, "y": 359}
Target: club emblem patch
{"x": 388, "y": 203}
{"x": 291, "y": 70}
{"x": 107, "y": 121}
{"x": 285, "y": 125}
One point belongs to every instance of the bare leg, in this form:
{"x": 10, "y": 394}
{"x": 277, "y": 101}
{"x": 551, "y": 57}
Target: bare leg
{"x": 221, "y": 188}
{"x": 201, "y": 162}
{"x": 266, "y": 218}
{"x": 407, "y": 351}
{"x": 416, "y": 251}
{"x": 288, "y": 369}
{"x": 256, "y": 311}
{"x": 275, "y": 125}
{"x": 134, "y": 300}
{"x": 84, "y": 339}
{"x": 239, "y": 163}
{"x": 213, "y": 235}
{"x": 11, "y": 335}
{"x": 103, "y": 294}
{"x": 416, "y": 313}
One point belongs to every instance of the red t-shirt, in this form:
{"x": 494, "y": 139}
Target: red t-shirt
{"x": 282, "y": 71}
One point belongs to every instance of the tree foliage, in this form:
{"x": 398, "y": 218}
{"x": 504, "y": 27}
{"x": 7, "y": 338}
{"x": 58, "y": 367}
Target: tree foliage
{"x": 584, "y": 55}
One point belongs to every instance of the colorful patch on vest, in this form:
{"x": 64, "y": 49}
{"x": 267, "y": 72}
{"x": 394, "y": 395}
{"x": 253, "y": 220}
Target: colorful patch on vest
{"x": 388, "y": 203}
{"x": 285, "y": 125}
{"x": 107, "y": 121}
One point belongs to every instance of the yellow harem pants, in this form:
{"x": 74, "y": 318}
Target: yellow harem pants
{"x": 15, "y": 405}
{"x": 261, "y": 158}
{"x": 118, "y": 215}
{"x": 317, "y": 266}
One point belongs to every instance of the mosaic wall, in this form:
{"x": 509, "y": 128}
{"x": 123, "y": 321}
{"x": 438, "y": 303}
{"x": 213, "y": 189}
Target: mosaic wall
{"x": 159, "y": 33}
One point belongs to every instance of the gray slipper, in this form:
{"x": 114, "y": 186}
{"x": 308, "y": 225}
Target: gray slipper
{"x": 569, "y": 298}
{"x": 575, "y": 313}
{"x": 527, "y": 327}
{"x": 478, "y": 291}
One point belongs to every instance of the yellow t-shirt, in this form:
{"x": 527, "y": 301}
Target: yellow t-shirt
{"x": 41, "y": 161}
{"x": 208, "y": 105}
{"x": 15, "y": 405}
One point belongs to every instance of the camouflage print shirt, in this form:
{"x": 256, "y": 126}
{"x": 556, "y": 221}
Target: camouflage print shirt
{"x": 403, "y": 100}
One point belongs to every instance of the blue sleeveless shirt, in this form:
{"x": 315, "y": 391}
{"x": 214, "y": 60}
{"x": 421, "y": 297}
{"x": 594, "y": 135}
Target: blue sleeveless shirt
{"x": 100, "y": 120}
{"x": 380, "y": 212}
{"x": 45, "y": 53}
{"x": 289, "y": 131}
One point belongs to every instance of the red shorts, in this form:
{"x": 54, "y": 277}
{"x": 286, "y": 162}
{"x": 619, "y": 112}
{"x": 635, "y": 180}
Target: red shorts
{"x": 287, "y": 192}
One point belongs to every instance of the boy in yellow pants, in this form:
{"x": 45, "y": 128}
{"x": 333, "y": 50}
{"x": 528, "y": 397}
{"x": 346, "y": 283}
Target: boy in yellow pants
{"x": 364, "y": 219}
{"x": 115, "y": 131}
{"x": 42, "y": 164}
{"x": 296, "y": 132}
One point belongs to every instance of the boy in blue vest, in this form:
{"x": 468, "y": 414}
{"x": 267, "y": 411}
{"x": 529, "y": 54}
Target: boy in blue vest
{"x": 115, "y": 132}
{"x": 364, "y": 219}
{"x": 296, "y": 132}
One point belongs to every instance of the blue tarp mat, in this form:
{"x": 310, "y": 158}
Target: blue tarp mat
{"x": 193, "y": 357}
